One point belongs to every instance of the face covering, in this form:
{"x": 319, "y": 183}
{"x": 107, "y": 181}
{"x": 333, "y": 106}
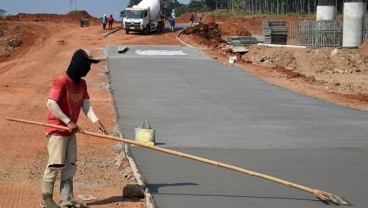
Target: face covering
{"x": 78, "y": 66}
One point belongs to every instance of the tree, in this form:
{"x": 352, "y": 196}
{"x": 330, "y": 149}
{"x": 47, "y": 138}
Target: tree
{"x": 195, "y": 6}
{"x": 237, "y": 4}
{"x": 2, "y": 12}
{"x": 133, "y": 2}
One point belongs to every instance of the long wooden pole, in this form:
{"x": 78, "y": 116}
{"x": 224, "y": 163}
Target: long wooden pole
{"x": 325, "y": 196}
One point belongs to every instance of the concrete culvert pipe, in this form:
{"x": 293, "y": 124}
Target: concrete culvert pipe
{"x": 326, "y": 10}
{"x": 326, "y": 13}
{"x": 353, "y": 29}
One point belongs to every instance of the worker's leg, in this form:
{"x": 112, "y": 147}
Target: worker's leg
{"x": 56, "y": 149}
{"x": 67, "y": 175}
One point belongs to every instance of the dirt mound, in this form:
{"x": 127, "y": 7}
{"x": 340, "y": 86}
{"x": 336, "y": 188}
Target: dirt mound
{"x": 335, "y": 74}
{"x": 235, "y": 29}
{"x": 209, "y": 34}
{"x": 251, "y": 24}
{"x": 13, "y": 36}
{"x": 74, "y": 17}
{"x": 184, "y": 18}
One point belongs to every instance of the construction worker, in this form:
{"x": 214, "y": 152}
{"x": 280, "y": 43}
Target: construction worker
{"x": 199, "y": 17}
{"x": 104, "y": 21}
{"x": 172, "y": 24}
{"x": 191, "y": 20}
{"x": 111, "y": 21}
{"x": 68, "y": 96}
{"x": 172, "y": 14}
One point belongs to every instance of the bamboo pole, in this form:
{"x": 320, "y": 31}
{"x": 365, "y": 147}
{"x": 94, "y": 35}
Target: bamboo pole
{"x": 322, "y": 195}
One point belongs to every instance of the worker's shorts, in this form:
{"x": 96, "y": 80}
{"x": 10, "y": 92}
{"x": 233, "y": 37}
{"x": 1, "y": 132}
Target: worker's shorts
{"x": 62, "y": 157}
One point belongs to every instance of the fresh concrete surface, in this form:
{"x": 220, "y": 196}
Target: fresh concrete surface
{"x": 178, "y": 182}
{"x": 202, "y": 107}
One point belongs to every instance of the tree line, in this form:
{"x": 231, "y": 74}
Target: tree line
{"x": 278, "y": 7}
{"x": 2, "y": 12}
{"x": 284, "y": 6}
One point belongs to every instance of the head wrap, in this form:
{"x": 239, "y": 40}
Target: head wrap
{"x": 79, "y": 66}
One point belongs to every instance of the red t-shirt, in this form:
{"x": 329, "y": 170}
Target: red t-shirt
{"x": 70, "y": 98}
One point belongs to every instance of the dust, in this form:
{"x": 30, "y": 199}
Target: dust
{"x": 209, "y": 34}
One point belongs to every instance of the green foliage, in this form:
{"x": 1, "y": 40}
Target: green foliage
{"x": 237, "y": 4}
{"x": 179, "y": 10}
{"x": 249, "y": 7}
{"x": 246, "y": 14}
{"x": 133, "y": 2}
{"x": 75, "y": 12}
{"x": 195, "y": 6}
{"x": 2, "y": 12}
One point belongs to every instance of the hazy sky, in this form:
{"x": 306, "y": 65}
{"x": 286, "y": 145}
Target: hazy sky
{"x": 94, "y": 7}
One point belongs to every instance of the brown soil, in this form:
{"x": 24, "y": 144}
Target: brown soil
{"x": 36, "y": 49}
{"x": 337, "y": 75}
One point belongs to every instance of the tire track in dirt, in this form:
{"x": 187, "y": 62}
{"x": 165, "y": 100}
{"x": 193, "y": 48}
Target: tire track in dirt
{"x": 10, "y": 196}
{"x": 13, "y": 195}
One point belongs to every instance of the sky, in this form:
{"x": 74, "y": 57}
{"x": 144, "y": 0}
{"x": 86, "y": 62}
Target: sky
{"x": 94, "y": 7}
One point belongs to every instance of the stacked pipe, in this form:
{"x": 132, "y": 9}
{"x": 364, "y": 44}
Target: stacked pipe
{"x": 274, "y": 32}
{"x": 241, "y": 40}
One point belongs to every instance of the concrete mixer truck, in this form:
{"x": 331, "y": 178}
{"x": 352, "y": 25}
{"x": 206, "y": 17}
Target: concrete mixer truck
{"x": 145, "y": 17}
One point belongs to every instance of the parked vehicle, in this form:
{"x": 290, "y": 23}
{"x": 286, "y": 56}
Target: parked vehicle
{"x": 145, "y": 17}
{"x": 84, "y": 22}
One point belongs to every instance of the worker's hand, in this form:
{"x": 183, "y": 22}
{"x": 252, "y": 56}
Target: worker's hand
{"x": 74, "y": 128}
{"x": 101, "y": 127}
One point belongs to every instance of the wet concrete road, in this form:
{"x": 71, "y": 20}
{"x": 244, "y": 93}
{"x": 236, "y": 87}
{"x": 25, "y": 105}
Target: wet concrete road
{"x": 202, "y": 107}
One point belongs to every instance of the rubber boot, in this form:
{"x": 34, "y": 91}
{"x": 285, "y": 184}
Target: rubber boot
{"x": 66, "y": 195}
{"x": 47, "y": 192}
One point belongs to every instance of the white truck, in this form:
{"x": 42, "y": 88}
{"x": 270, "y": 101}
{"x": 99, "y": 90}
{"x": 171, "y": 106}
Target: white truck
{"x": 145, "y": 17}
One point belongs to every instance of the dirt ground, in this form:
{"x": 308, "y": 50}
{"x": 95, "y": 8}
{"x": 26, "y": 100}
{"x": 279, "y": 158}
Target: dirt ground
{"x": 36, "y": 49}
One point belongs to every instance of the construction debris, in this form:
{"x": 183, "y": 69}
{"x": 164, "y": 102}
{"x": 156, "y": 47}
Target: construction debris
{"x": 122, "y": 49}
{"x": 122, "y": 163}
{"x": 209, "y": 33}
{"x": 134, "y": 191}
{"x": 14, "y": 41}
{"x": 241, "y": 40}
{"x": 275, "y": 32}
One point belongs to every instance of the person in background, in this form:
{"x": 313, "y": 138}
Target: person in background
{"x": 199, "y": 16}
{"x": 172, "y": 24}
{"x": 172, "y": 14}
{"x": 68, "y": 96}
{"x": 104, "y": 21}
{"x": 191, "y": 20}
{"x": 111, "y": 21}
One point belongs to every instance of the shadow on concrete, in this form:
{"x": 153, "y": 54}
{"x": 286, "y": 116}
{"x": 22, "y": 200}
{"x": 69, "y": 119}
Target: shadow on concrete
{"x": 154, "y": 187}
{"x": 111, "y": 200}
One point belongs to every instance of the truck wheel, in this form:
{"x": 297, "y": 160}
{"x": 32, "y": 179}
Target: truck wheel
{"x": 147, "y": 30}
{"x": 126, "y": 31}
{"x": 162, "y": 27}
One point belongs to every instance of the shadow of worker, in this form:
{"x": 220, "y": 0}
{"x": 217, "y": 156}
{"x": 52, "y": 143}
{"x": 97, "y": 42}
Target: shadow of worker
{"x": 111, "y": 200}
{"x": 154, "y": 188}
